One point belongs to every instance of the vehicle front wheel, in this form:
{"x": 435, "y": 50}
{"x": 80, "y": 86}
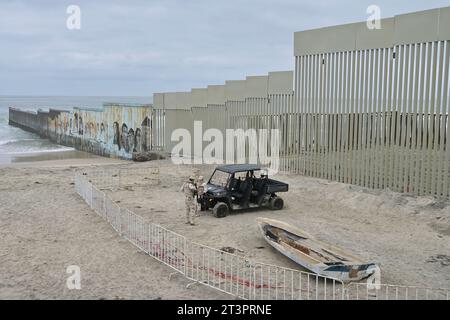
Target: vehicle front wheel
{"x": 276, "y": 203}
{"x": 220, "y": 210}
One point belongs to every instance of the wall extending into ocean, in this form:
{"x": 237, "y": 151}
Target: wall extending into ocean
{"x": 116, "y": 130}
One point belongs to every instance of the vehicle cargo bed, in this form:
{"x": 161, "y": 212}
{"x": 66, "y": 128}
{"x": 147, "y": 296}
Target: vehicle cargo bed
{"x": 277, "y": 186}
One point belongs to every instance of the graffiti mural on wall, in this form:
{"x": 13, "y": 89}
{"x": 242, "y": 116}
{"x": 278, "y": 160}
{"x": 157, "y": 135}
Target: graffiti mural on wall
{"x": 126, "y": 140}
{"x": 130, "y": 141}
{"x": 123, "y": 137}
{"x": 102, "y": 133}
{"x": 145, "y": 136}
{"x": 74, "y": 125}
{"x": 116, "y": 140}
{"x": 137, "y": 141}
{"x": 115, "y": 130}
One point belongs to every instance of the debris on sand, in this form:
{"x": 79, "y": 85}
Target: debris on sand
{"x": 146, "y": 156}
{"x": 443, "y": 259}
{"x": 231, "y": 250}
{"x": 437, "y": 205}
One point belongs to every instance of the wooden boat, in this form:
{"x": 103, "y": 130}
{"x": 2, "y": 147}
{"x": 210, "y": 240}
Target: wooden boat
{"x": 314, "y": 255}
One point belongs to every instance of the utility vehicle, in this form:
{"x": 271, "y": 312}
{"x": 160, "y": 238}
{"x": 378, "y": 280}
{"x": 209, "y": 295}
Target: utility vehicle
{"x": 241, "y": 186}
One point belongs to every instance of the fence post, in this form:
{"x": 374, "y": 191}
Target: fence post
{"x": 185, "y": 256}
{"x": 91, "y": 203}
{"x": 253, "y": 280}
{"x": 105, "y": 213}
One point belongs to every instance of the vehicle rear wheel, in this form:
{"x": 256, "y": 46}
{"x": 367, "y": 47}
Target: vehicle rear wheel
{"x": 276, "y": 203}
{"x": 220, "y": 210}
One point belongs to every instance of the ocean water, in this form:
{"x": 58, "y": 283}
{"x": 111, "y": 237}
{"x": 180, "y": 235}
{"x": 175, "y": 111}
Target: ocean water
{"x": 15, "y": 141}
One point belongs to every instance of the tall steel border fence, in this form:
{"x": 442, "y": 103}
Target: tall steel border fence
{"x": 364, "y": 107}
{"x": 229, "y": 273}
{"x": 377, "y": 117}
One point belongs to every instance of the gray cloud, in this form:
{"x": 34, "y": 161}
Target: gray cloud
{"x": 139, "y": 47}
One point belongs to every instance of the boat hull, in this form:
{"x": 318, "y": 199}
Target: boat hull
{"x": 353, "y": 270}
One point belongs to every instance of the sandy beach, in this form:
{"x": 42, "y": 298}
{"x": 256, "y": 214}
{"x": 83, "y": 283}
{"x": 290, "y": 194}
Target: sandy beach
{"x": 69, "y": 155}
{"x": 45, "y": 227}
{"x": 408, "y": 236}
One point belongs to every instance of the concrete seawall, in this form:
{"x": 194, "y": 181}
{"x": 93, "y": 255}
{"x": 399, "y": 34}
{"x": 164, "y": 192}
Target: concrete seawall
{"x": 116, "y": 130}
{"x": 26, "y": 120}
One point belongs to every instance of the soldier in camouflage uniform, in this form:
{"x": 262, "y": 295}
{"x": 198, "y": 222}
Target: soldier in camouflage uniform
{"x": 201, "y": 189}
{"x": 190, "y": 190}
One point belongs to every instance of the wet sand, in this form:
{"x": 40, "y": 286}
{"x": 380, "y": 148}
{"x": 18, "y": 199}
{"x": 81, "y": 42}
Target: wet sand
{"x": 7, "y": 159}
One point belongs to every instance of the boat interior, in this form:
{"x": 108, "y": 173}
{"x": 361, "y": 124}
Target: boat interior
{"x": 305, "y": 245}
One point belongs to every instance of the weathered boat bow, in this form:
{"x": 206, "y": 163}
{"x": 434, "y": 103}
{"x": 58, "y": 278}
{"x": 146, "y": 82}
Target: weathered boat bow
{"x": 315, "y": 255}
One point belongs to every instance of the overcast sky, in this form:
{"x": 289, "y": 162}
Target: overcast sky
{"x": 138, "y": 47}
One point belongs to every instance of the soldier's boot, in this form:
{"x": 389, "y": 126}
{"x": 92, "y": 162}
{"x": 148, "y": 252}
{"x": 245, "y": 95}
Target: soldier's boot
{"x": 188, "y": 215}
{"x": 197, "y": 212}
{"x": 192, "y": 216}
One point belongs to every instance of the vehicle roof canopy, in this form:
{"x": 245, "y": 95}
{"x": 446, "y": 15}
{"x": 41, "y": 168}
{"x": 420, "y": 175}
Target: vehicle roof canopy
{"x": 232, "y": 168}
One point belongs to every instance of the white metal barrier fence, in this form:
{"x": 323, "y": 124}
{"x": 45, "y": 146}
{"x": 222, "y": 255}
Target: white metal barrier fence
{"x": 226, "y": 272}
{"x": 360, "y": 291}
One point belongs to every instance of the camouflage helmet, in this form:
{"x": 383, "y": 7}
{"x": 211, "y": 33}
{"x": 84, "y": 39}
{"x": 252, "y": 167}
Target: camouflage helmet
{"x": 191, "y": 178}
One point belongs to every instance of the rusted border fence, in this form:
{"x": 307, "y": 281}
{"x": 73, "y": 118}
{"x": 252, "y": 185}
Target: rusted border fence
{"x": 223, "y": 271}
